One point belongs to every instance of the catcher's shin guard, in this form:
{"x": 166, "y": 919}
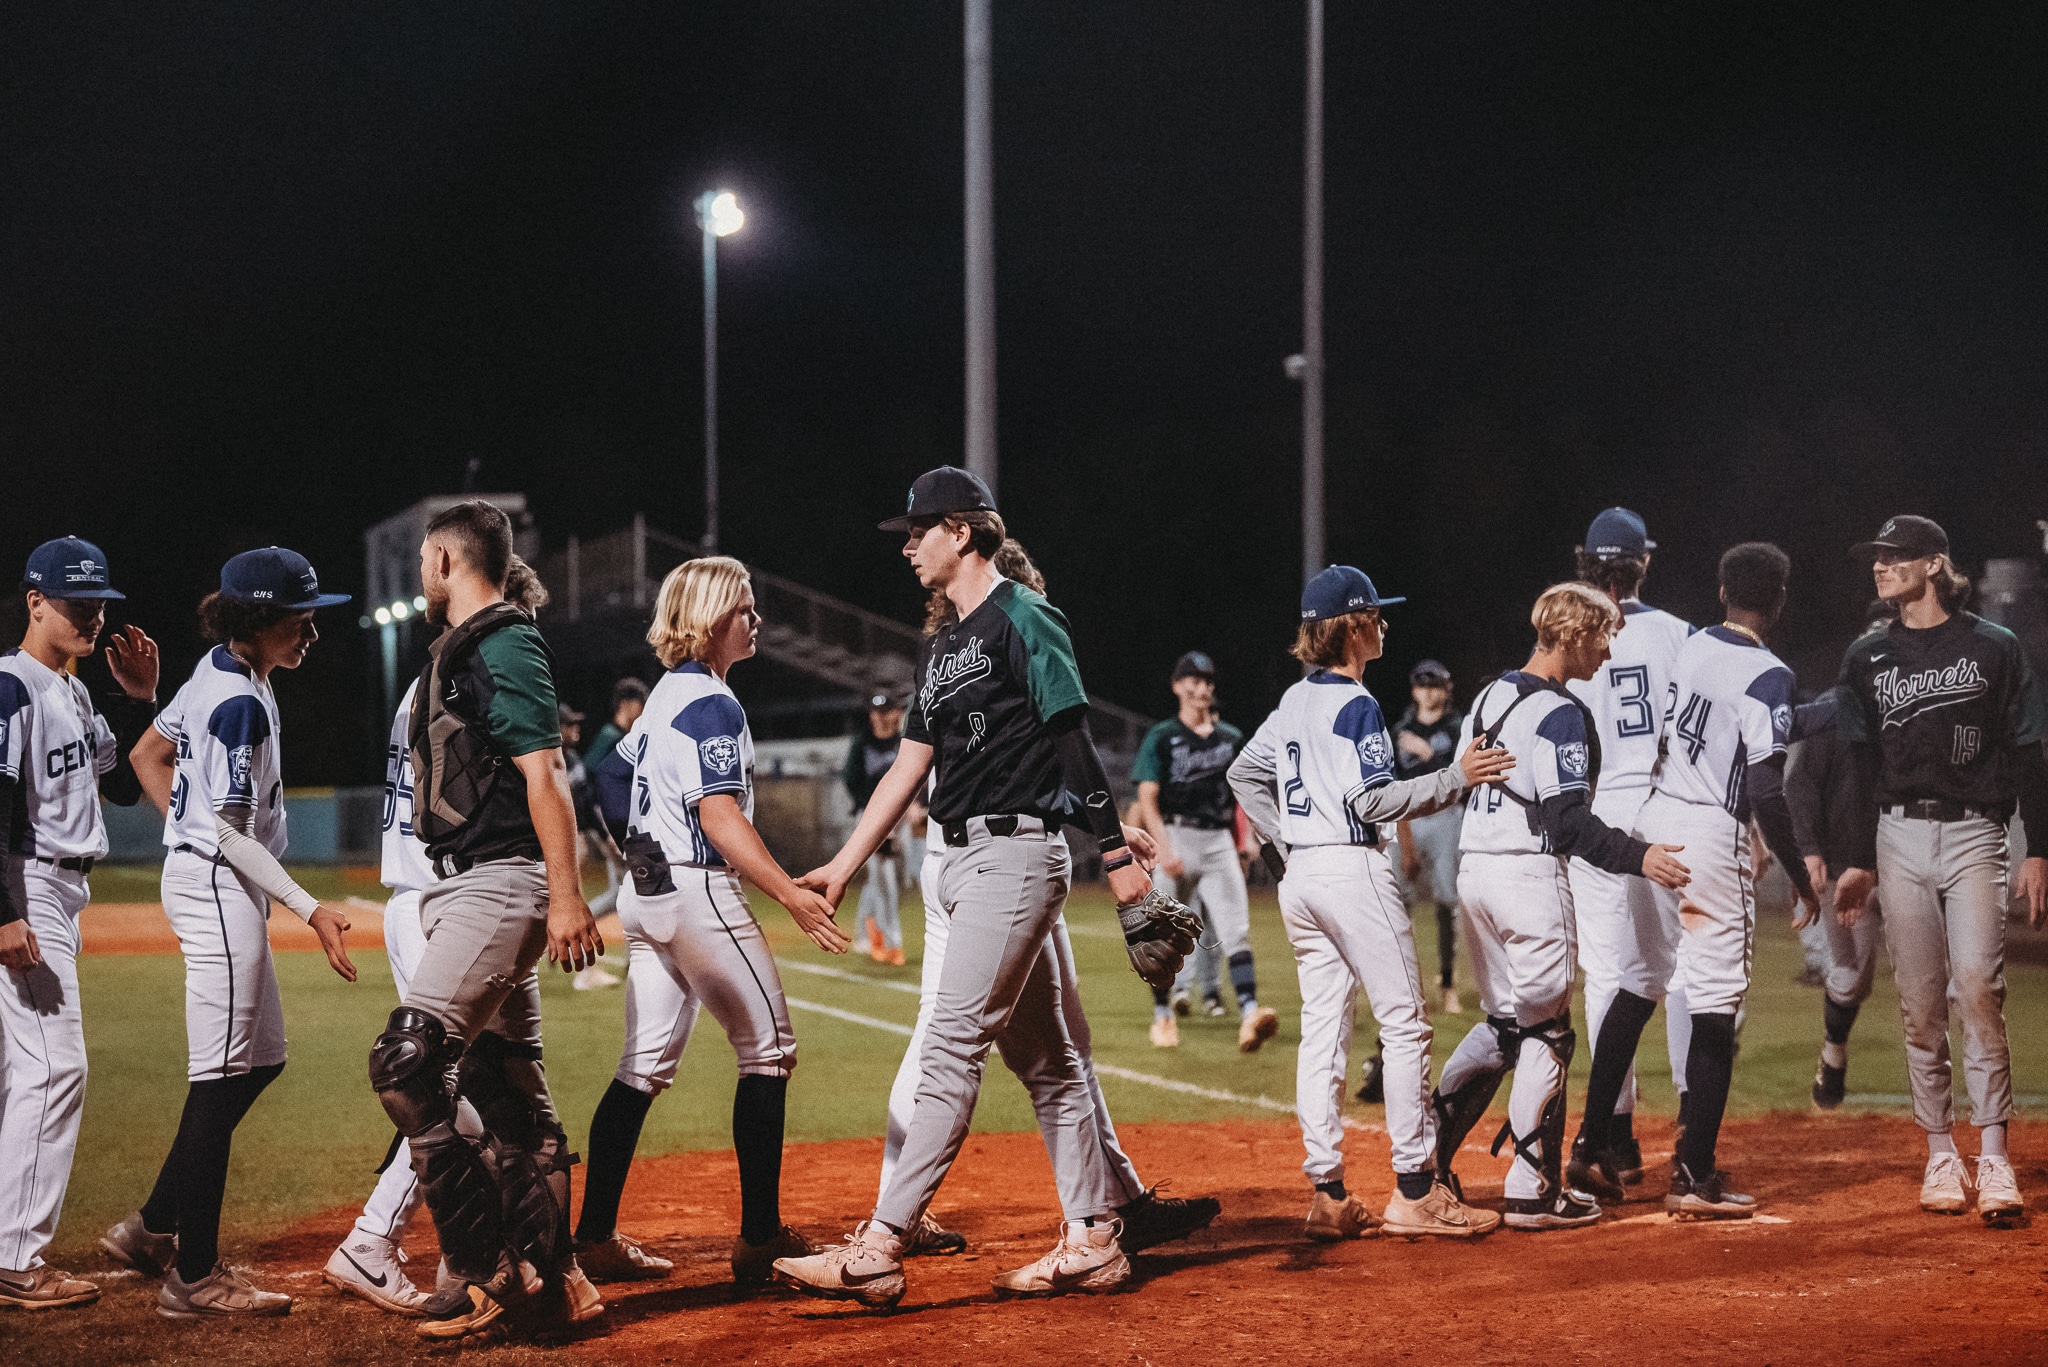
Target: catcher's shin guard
{"x": 1543, "y": 1150}
{"x": 409, "y": 1068}
{"x": 525, "y": 1145}
{"x": 1458, "y": 1110}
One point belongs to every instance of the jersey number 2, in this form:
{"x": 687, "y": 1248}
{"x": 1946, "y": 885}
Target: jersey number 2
{"x": 1637, "y": 717}
{"x": 1296, "y": 791}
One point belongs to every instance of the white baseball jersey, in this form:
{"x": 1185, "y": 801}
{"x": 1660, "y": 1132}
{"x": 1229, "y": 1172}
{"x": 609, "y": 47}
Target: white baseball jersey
{"x": 692, "y": 741}
{"x": 1731, "y": 708}
{"x": 224, "y": 724}
{"x": 1546, "y": 733}
{"x": 405, "y": 855}
{"x": 1630, "y": 693}
{"x": 1327, "y": 742}
{"x": 55, "y": 747}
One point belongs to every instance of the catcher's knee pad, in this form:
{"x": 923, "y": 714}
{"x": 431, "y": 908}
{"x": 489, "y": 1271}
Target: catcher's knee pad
{"x": 1543, "y": 1149}
{"x": 409, "y": 1069}
{"x": 1458, "y": 1111}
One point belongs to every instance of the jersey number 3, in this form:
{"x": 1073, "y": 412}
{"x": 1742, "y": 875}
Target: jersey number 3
{"x": 1636, "y": 718}
{"x": 1296, "y": 792}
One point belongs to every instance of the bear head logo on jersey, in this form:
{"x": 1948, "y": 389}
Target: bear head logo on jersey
{"x": 239, "y": 761}
{"x": 1781, "y": 719}
{"x": 1375, "y": 751}
{"x": 1571, "y": 759}
{"x": 721, "y": 754}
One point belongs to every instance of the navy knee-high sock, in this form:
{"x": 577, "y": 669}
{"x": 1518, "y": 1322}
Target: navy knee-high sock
{"x": 757, "y": 1109}
{"x": 1709, "y": 1068}
{"x": 1447, "y": 943}
{"x": 194, "y": 1178}
{"x": 614, "y": 1134}
{"x": 1613, "y": 1052}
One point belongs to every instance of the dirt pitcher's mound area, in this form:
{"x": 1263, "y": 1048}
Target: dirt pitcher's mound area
{"x": 1844, "y": 1269}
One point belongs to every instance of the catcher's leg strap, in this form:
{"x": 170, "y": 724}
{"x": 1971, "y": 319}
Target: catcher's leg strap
{"x": 1543, "y": 1148}
{"x": 1459, "y": 1110}
{"x": 524, "y": 1144}
{"x": 409, "y": 1068}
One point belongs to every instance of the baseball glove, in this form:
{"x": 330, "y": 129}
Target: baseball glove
{"x": 1159, "y": 934}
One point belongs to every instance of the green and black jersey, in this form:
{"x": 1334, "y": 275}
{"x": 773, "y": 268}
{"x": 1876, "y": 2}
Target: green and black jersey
{"x": 1191, "y": 770}
{"x": 986, "y": 689}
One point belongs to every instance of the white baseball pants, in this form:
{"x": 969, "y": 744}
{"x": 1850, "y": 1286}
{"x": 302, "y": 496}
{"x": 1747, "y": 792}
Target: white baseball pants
{"x": 42, "y": 1070}
{"x": 1342, "y": 908}
{"x": 234, "y": 1019}
{"x": 880, "y": 896}
{"x": 1621, "y": 941}
{"x": 1715, "y": 914}
{"x": 397, "y": 1196}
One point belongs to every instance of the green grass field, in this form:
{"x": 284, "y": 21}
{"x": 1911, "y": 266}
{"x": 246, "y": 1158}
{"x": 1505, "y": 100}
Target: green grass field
{"x": 312, "y": 1141}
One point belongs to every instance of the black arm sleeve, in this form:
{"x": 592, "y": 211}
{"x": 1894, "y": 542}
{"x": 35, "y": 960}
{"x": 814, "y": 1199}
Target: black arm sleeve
{"x": 1806, "y": 782}
{"x": 129, "y": 718}
{"x": 13, "y": 891}
{"x": 1812, "y": 718}
{"x": 1573, "y": 829}
{"x": 1766, "y": 787}
{"x": 1860, "y": 778}
{"x": 1082, "y": 773}
{"x": 2031, "y": 771}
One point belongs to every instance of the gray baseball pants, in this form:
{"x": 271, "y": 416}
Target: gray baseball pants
{"x": 1944, "y": 921}
{"x": 1000, "y": 987}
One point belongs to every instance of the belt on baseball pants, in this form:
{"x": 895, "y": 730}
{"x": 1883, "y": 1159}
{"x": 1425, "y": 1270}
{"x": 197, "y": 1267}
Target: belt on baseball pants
{"x": 209, "y": 858}
{"x": 77, "y": 864}
{"x": 1178, "y": 820}
{"x": 1940, "y": 809}
{"x": 960, "y": 833}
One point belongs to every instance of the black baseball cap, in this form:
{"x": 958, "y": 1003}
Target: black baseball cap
{"x": 1338, "y": 591}
{"x": 1907, "y": 535}
{"x": 941, "y": 493}
{"x": 277, "y": 578}
{"x": 69, "y": 568}
{"x": 1194, "y": 663}
{"x": 1618, "y": 532}
{"x": 1429, "y": 674}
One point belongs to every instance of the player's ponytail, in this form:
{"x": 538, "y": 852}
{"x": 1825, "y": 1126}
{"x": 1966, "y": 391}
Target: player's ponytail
{"x": 523, "y": 587}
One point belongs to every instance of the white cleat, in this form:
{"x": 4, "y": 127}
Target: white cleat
{"x": 1945, "y": 1189}
{"x": 222, "y": 1293}
{"x": 373, "y": 1267}
{"x": 594, "y": 978}
{"x": 867, "y": 1268}
{"x": 1087, "y": 1258}
{"x": 1998, "y": 1190}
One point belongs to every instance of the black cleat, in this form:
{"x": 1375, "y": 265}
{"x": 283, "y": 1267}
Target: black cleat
{"x": 1830, "y": 1085}
{"x": 1154, "y": 1219}
{"x": 1374, "y": 1091}
{"x": 1594, "y": 1171}
{"x": 1628, "y": 1161}
{"x": 1567, "y": 1209}
{"x": 1709, "y": 1199}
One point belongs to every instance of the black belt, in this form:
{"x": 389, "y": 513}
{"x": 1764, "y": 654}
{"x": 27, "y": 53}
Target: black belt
{"x": 957, "y": 836}
{"x": 209, "y": 858}
{"x": 1178, "y": 820}
{"x": 75, "y": 864}
{"x": 452, "y": 865}
{"x": 1941, "y": 809}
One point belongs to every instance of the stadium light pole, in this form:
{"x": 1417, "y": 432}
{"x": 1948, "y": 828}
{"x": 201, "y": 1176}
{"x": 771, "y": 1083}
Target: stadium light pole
{"x": 1311, "y": 368}
{"x": 718, "y": 214}
{"x": 981, "y": 249}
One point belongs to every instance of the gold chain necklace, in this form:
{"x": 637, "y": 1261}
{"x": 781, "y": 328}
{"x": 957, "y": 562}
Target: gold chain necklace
{"x": 1736, "y": 626}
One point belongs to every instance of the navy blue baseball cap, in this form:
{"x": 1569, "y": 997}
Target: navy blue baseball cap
{"x": 69, "y": 568}
{"x": 275, "y": 577}
{"x": 941, "y": 493}
{"x": 1430, "y": 674}
{"x": 1618, "y": 532}
{"x": 1192, "y": 665}
{"x": 1338, "y": 591}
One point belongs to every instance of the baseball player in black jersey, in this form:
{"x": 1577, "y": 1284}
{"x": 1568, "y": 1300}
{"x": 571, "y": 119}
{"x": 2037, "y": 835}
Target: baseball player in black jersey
{"x": 1946, "y": 721}
{"x": 1000, "y": 710}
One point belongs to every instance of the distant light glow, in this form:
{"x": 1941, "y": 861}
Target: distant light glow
{"x": 383, "y": 616}
{"x": 419, "y": 603}
{"x": 720, "y": 214}
{"x": 400, "y": 610}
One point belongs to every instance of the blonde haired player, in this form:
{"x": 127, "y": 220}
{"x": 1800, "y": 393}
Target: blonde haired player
{"x": 1512, "y": 882}
{"x": 692, "y": 941}
{"x": 1317, "y": 780}
{"x": 211, "y": 764}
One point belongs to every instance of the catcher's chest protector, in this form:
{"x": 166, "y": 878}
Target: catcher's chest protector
{"x": 455, "y": 772}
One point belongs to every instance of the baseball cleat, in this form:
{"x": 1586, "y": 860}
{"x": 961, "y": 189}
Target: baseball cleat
{"x": 1330, "y": 1220}
{"x": 1567, "y": 1209}
{"x": 458, "y": 1312}
{"x": 1153, "y": 1219}
{"x": 1452, "y": 1005}
{"x": 1439, "y": 1214}
{"x": 131, "y": 1245}
{"x": 370, "y": 1266}
{"x": 867, "y": 1268}
{"x": 1165, "y": 1032}
{"x": 44, "y": 1288}
{"x": 1998, "y": 1190}
{"x": 1212, "y": 1005}
{"x": 621, "y": 1258}
{"x": 1087, "y": 1258}
{"x": 754, "y": 1264}
{"x": 580, "y": 1302}
{"x": 930, "y": 1239}
{"x": 1628, "y": 1160}
{"x": 1594, "y": 1171}
{"x": 594, "y": 978}
{"x": 1710, "y": 1199}
{"x": 893, "y": 956}
{"x": 1180, "y": 1004}
{"x": 1256, "y": 1028}
{"x": 1830, "y": 1085}
{"x": 221, "y": 1293}
{"x": 1374, "y": 1089}
{"x": 1945, "y": 1189}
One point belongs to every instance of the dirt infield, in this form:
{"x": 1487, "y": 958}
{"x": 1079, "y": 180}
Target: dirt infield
{"x": 1847, "y": 1270}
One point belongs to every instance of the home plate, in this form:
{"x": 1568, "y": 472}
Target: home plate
{"x": 1666, "y": 1218}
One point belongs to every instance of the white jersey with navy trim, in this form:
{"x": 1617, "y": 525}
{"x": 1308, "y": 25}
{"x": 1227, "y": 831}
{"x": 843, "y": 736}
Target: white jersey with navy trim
{"x": 1629, "y": 694}
{"x": 1731, "y": 707}
{"x": 1546, "y": 733}
{"x": 54, "y": 746}
{"x": 1327, "y": 741}
{"x": 692, "y": 741}
{"x": 406, "y": 868}
{"x": 224, "y": 725}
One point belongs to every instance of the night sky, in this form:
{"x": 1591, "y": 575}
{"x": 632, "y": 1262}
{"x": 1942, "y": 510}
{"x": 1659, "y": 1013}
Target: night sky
{"x": 272, "y": 273}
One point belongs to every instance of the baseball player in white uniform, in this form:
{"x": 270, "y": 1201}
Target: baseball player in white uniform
{"x": 58, "y": 756}
{"x": 1517, "y": 898}
{"x": 1626, "y": 699}
{"x": 1317, "y": 781}
{"x": 1724, "y": 740}
{"x": 210, "y": 764}
{"x": 692, "y": 940}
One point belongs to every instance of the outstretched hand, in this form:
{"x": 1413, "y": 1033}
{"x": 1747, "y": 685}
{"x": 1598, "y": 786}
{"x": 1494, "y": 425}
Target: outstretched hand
{"x": 1852, "y": 894}
{"x": 18, "y": 947}
{"x": 330, "y": 925}
{"x": 573, "y": 941}
{"x": 1485, "y": 764}
{"x": 1806, "y": 909}
{"x": 813, "y": 916}
{"x": 133, "y": 660}
{"x": 826, "y": 883}
{"x": 1663, "y": 870}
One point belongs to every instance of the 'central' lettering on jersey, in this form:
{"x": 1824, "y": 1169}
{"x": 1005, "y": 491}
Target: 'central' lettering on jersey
{"x": 952, "y": 672}
{"x": 1902, "y": 697}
